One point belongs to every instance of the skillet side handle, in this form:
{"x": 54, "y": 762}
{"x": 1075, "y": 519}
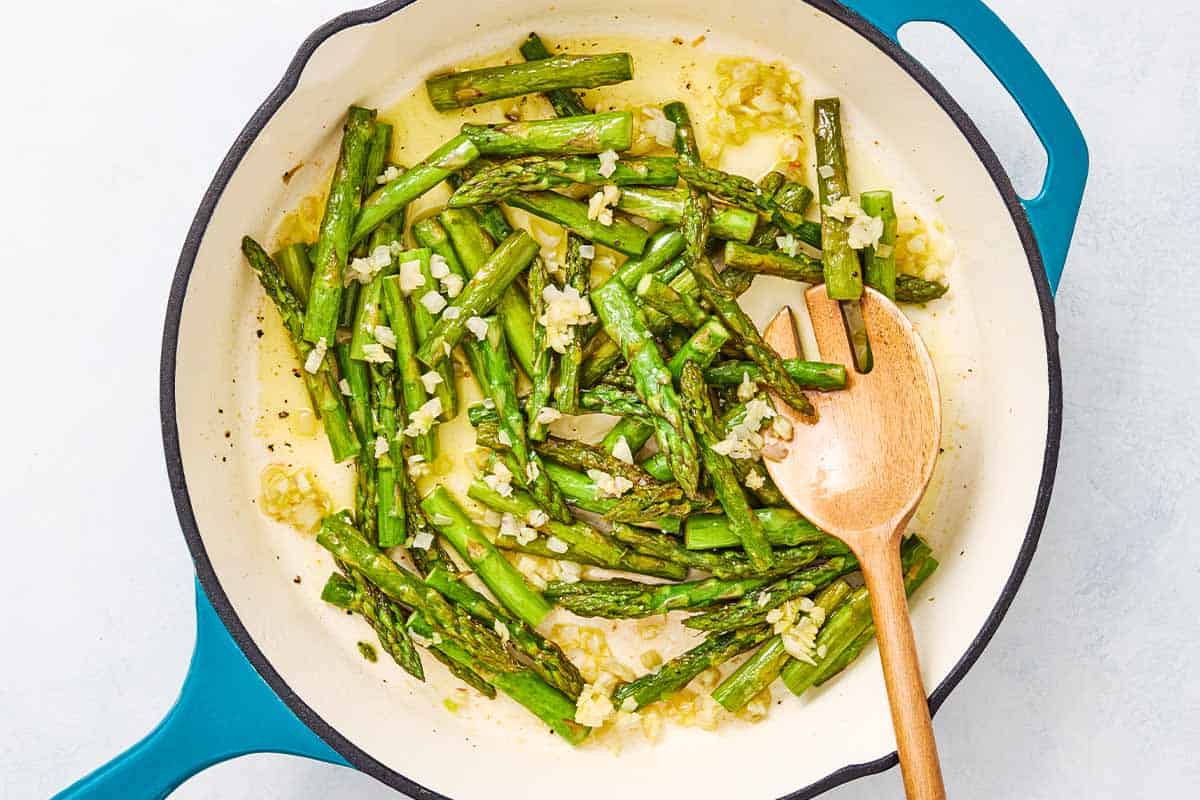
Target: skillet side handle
{"x": 224, "y": 710}
{"x": 1054, "y": 211}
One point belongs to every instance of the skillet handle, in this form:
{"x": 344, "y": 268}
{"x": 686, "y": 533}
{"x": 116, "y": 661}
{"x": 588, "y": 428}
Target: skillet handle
{"x": 224, "y": 710}
{"x": 1054, "y": 211}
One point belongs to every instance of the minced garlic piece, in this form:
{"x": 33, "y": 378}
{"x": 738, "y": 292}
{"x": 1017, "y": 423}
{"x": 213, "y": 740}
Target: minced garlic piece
{"x": 316, "y": 356}
{"x": 293, "y": 497}
{"x": 609, "y": 485}
{"x": 423, "y": 418}
{"x": 595, "y": 707}
{"x": 565, "y": 308}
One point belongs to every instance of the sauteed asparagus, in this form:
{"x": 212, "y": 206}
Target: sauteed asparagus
{"x": 393, "y": 318}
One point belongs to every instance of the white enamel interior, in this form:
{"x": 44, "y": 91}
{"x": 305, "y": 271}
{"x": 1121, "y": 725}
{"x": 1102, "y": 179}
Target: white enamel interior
{"x": 986, "y": 339}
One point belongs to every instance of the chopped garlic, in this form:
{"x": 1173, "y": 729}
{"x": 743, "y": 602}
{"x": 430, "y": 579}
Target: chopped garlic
{"x": 390, "y": 174}
{"x": 479, "y": 327}
{"x": 453, "y": 284}
{"x": 417, "y": 468}
{"x": 609, "y": 485}
{"x": 629, "y": 704}
{"x": 499, "y": 480}
{"x": 423, "y": 541}
{"x": 788, "y": 244}
{"x": 433, "y": 302}
{"x": 501, "y": 630}
{"x": 374, "y": 352}
{"x": 411, "y": 278}
{"x": 381, "y": 446}
{"x": 316, "y": 356}
{"x": 503, "y": 438}
{"x": 537, "y": 518}
{"x": 782, "y": 427}
{"x": 608, "y": 163}
{"x": 755, "y": 480}
{"x": 774, "y": 451}
{"x": 621, "y": 450}
{"x": 512, "y": 528}
{"x": 587, "y": 251}
{"x": 385, "y": 336}
{"x": 594, "y": 706}
{"x": 826, "y": 171}
{"x": 532, "y": 471}
{"x": 747, "y": 388}
{"x": 438, "y": 267}
{"x": 598, "y": 211}
{"x": 452, "y": 312}
{"x": 546, "y": 415}
{"x": 865, "y": 231}
{"x": 568, "y": 571}
{"x": 441, "y": 520}
{"x": 344, "y": 387}
{"x": 557, "y": 545}
{"x": 423, "y": 418}
{"x": 431, "y": 380}
{"x": 842, "y": 208}
{"x": 564, "y": 309}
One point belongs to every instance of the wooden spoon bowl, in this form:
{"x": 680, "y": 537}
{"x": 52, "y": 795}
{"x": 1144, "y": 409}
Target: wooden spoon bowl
{"x": 858, "y": 473}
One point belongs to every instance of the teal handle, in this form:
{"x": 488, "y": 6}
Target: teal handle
{"x": 224, "y": 710}
{"x": 1054, "y": 211}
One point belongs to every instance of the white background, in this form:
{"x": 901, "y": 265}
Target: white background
{"x": 117, "y": 115}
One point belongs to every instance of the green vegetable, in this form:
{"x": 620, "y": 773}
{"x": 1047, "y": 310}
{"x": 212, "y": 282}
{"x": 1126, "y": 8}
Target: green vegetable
{"x": 567, "y": 136}
{"x": 542, "y": 377}
{"x": 578, "y": 277}
{"x": 742, "y": 521}
{"x": 880, "y": 268}
{"x": 408, "y": 375}
{"x": 395, "y": 195}
{"x": 622, "y": 235}
{"x": 625, "y": 599}
{"x": 566, "y": 102}
{"x": 322, "y": 384}
{"x": 701, "y": 349}
{"x": 480, "y": 296}
{"x": 474, "y": 86}
{"x": 625, "y": 325}
{"x": 808, "y": 374}
{"x": 843, "y": 273}
{"x": 666, "y": 206}
{"x": 679, "y": 671}
{"x": 538, "y": 173}
{"x": 385, "y": 617}
{"x": 502, "y": 578}
{"x": 334, "y": 239}
{"x": 423, "y": 324}
{"x": 783, "y": 527}
{"x": 682, "y": 309}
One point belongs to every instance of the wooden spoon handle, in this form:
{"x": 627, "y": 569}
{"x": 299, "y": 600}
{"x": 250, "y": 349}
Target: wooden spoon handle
{"x": 880, "y": 559}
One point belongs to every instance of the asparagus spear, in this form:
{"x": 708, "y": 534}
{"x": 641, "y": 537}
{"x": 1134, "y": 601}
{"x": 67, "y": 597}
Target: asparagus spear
{"x": 853, "y": 618}
{"x": 622, "y": 235}
{"x": 501, "y": 383}
{"x": 470, "y": 241}
{"x": 783, "y": 527}
{"x": 594, "y": 133}
{"x": 566, "y": 102}
{"x": 581, "y": 537}
{"x": 682, "y": 309}
{"x": 786, "y": 212}
{"x": 391, "y": 486}
{"x": 480, "y": 295}
{"x": 546, "y": 658}
{"x": 724, "y": 302}
{"x": 831, "y": 667}
{"x": 578, "y": 277}
{"x": 624, "y": 325}
{"x": 633, "y": 431}
{"x": 566, "y": 452}
{"x": 909, "y": 288}
{"x": 605, "y": 399}
{"x": 395, "y": 195}
{"x": 703, "y": 346}
{"x": 743, "y": 521}
{"x": 385, "y": 617}
{"x": 881, "y": 261}
{"x": 340, "y": 538}
{"x": 843, "y": 273}
{"x": 470, "y": 87}
{"x": 661, "y": 504}
{"x": 334, "y": 239}
{"x": 625, "y": 599}
{"x": 685, "y": 134}
{"x": 754, "y": 607}
{"x": 808, "y": 374}
{"x": 666, "y": 206}
{"x": 679, "y": 671}
{"x": 724, "y": 564}
{"x": 377, "y": 156}
{"x": 538, "y": 173}
{"x": 501, "y": 577}
{"x": 426, "y": 559}
{"x": 542, "y": 376}
{"x": 761, "y": 669}
{"x": 629, "y": 562}
{"x": 524, "y": 685}
{"x": 296, "y": 270}
{"x": 322, "y": 382}
{"x": 412, "y": 390}
{"x": 423, "y": 323}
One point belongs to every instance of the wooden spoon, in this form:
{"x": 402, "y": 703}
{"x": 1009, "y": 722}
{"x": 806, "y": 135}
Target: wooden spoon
{"x": 858, "y": 473}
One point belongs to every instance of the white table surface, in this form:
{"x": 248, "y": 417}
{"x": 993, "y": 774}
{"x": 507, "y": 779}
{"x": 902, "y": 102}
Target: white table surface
{"x": 117, "y": 115}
